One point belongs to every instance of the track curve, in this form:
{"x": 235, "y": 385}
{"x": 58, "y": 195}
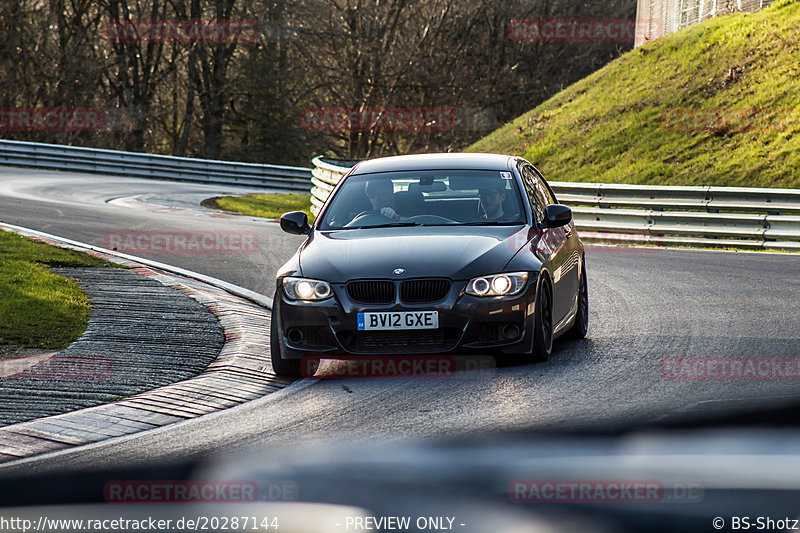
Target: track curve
{"x": 646, "y": 304}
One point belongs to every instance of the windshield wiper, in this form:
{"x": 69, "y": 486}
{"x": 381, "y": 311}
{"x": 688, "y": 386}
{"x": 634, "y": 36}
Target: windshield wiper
{"x": 389, "y": 225}
{"x": 492, "y": 223}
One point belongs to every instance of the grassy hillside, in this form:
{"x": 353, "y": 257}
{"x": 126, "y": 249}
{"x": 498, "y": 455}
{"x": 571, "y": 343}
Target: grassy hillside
{"x": 636, "y": 120}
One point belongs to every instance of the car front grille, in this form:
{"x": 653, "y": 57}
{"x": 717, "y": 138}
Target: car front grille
{"x": 313, "y": 337}
{"x": 371, "y": 291}
{"x": 400, "y": 342}
{"x": 411, "y": 291}
{"x": 424, "y": 290}
{"x": 489, "y": 333}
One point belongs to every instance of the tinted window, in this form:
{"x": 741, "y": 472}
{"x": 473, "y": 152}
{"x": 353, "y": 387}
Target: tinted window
{"x": 547, "y": 192}
{"x": 533, "y": 188}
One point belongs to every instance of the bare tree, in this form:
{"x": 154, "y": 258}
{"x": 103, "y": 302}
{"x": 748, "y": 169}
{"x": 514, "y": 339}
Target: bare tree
{"x": 208, "y": 67}
{"x": 228, "y": 98}
{"x": 49, "y": 58}
{"x": 137, "y": 66}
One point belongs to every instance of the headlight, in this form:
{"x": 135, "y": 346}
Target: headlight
{"x": 497, "y": 284}
{"x": 306, "y": 289}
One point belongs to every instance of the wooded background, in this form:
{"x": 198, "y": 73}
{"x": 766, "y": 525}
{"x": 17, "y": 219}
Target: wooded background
{"x": 247, "y": 100}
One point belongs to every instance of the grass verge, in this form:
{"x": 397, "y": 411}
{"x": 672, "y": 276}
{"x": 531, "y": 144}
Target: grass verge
{"x": 264, "y": 205}
{"x": 40, "y": 309}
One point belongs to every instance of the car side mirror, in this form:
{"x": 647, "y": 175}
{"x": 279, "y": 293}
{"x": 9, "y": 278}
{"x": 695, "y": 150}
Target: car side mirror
{"x": 295, "y": 222}
{"x": 557, "y": 215}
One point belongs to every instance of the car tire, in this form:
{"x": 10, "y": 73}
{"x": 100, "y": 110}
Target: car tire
{"x": 543, "y": 322}
{"x": 285, "y": 368}
{"x": 581, "y": 325}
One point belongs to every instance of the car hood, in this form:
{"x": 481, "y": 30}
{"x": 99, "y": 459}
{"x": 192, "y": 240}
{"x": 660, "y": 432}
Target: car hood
{"x": 458, "y": 253}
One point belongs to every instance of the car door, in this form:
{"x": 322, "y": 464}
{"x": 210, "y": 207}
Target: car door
{"x": 569, "y": 276}
{"x": 554, "y": 243}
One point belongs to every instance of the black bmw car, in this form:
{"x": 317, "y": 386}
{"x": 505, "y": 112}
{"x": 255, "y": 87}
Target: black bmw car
{"x": 431, "y": 254}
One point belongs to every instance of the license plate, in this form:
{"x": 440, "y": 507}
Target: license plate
{"x": 398, "y": 320}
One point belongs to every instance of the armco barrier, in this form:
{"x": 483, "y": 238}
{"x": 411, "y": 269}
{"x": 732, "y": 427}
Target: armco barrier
{"x": 324, "y": 177}
{"x": 712, "y": 217}
{"x": 115, "y": 162}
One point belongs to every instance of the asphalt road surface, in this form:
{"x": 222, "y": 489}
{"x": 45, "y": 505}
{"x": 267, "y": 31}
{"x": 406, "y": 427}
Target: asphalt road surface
{"x": 646, "y": 305}
{"x": 95, "y": 209}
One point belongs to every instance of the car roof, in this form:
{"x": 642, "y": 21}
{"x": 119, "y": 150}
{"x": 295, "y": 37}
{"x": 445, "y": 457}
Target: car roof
{"x": 452, "y": 161}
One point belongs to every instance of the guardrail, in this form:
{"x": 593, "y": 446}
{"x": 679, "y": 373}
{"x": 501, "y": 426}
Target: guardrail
{"x": 324, "y": 177}
{"x": 709, "y": 217}
{"x": 141, "y": 165}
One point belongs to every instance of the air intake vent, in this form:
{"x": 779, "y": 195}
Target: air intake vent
{"x": 371, "y": 291}
{"x": 424, "y": 290}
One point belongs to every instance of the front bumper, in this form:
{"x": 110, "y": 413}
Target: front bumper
{"x": 467, "y": 324}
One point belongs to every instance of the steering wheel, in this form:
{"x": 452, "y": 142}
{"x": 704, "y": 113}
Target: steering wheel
{"x": 363, "y": 215}
{"x": 422, "y": 219}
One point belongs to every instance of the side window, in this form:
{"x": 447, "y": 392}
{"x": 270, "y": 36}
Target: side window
{"x": 534, "y": 189}
{"x": 547, "y": 192}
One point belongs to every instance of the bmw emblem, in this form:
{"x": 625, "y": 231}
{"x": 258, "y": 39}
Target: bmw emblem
{"x": 399, "y": 271}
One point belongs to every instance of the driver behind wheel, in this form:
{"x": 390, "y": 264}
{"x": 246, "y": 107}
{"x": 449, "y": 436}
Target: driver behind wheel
{"x": 492, "y": 198}
{"x": 381, "y": 195}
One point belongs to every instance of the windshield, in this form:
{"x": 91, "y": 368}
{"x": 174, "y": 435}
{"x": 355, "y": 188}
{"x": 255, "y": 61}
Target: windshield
{"x": 426, "y": 198}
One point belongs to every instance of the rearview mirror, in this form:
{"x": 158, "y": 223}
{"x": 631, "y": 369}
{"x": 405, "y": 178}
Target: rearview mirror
{"x": 557, "y": 215}
{"x": 295, "y": 222}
